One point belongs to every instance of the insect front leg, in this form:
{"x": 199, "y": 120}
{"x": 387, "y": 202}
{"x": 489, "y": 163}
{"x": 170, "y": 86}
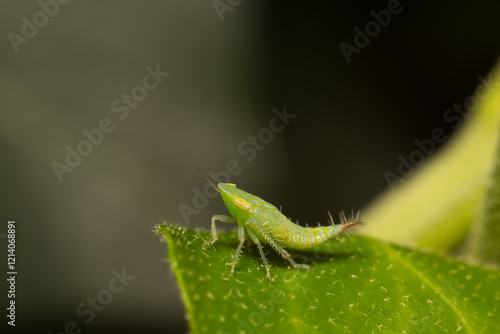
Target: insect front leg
{"x": 221, "y": 218}
{"x": 255, "y": 239}
{"x": 241, "y": 238}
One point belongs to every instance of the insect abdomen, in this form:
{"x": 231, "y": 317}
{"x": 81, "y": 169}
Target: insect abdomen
{"x": 297, "y": 237}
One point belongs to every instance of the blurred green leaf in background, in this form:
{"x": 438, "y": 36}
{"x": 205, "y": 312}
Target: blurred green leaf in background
{"x": 436, "y": 207}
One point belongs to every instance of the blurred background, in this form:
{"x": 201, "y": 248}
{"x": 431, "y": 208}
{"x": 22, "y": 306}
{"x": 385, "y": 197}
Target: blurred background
{"x": 229, "y": 65}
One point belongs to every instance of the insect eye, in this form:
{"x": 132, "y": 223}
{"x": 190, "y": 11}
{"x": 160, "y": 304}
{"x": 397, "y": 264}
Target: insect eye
{"x": 242, "y": 204}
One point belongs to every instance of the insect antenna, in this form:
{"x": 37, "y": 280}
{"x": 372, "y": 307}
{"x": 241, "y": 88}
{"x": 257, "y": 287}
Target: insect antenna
{"x": 202, "y": 174}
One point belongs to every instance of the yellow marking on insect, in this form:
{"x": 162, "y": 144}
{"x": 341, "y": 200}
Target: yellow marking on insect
{"x": 242, "y": 204}
{"x": 315, "y": 236}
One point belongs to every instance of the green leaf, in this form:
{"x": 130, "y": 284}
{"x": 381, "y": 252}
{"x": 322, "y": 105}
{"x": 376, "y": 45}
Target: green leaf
{"x": 484, "y": 243}
{"x": 359, "y": 286}
{"x": 435, "y": 207}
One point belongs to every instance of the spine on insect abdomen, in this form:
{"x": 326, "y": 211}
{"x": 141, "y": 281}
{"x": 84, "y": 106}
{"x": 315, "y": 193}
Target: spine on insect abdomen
{"x": 298, "y": 237}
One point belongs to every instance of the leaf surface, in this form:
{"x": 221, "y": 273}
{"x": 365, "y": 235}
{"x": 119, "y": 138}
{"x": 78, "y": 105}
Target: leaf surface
{"x": 359, "y": 286}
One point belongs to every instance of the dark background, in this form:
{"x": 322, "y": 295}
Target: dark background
{"x": 353, "y": 121}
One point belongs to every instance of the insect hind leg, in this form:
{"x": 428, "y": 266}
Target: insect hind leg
{"x": 276, "y": 246}
{"x": 255, "y": 239}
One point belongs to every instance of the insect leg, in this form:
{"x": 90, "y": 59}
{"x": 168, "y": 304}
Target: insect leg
{"x": 255, "y": 239}
{"x": 221, "y": 218}
{"x": 241, "y": 238}
{"x": 280, "y": 248}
